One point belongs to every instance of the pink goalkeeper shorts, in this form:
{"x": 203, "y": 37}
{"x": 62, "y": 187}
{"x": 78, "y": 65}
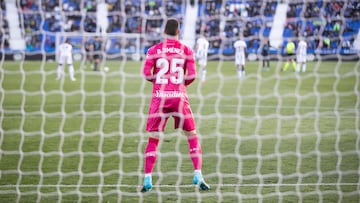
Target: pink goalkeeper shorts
{"x": 162, "y": 108}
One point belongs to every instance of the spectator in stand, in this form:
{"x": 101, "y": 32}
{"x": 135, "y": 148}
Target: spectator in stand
{"x": 69, "y": 26}
{"x": 29, "y": 5}
{"x": 132, "y": 8}
{"x": 115, "y": 23}
{"x": 152, "y": 8}
{"x": 90, "y": 5}
{"x": 337, "y": 28}
{"x": 270, "y": 8}
{"x": 346, "y": 42}
{"x": 49, "y": 5}
{"x": 70, "y": 6}
{"x": 114, "y": 5}
{"x": 173, "y": 7}
{"x": 133, "y": 24}
{"x": 327, "y": 42}
{"x": 90, "y": 23}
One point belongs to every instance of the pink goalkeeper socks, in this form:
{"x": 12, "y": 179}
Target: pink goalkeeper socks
{"x": 195, "y": 152}
{"x": 150, "y": 154}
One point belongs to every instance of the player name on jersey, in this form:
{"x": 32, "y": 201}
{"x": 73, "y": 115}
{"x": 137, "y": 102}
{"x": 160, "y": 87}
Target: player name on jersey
{"x": 165, "y": 50}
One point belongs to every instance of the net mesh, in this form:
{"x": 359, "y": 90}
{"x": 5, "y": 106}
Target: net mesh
{"x": 270, "y": 137}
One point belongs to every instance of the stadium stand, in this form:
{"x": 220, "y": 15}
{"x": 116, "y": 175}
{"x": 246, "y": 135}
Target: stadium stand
{"x": 330, "y": 26}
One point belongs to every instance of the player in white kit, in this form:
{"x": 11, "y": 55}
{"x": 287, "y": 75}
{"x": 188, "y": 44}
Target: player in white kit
{"x": 240, "y": 49}
{"x": 202, "y": 47}
{"x": 65, "y": 56}
{"x": 301, "y": 53}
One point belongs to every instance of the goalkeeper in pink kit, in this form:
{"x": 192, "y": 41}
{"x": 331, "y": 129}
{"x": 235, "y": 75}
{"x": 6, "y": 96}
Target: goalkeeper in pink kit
{"x": 170, "y": 67}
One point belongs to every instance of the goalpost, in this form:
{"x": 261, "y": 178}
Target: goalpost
{"x": 270, "y": 137}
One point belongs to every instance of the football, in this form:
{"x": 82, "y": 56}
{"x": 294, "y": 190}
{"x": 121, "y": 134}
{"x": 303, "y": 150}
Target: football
{"x": 106, "y": 69}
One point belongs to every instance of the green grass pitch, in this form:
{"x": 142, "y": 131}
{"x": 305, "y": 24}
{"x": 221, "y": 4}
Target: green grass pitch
{"x": 272, "y": 137}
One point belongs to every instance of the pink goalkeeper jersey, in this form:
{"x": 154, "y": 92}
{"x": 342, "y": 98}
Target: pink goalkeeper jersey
{"x": 170, "y": 66}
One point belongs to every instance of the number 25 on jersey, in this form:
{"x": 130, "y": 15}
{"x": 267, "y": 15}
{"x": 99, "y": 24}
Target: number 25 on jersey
{"x": 176, "y": 71}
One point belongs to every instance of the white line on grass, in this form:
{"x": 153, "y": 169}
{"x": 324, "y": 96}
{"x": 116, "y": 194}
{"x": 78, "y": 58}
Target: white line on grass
{"x": 188, "y": 186}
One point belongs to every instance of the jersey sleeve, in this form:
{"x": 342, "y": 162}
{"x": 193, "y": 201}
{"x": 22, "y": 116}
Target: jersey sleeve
{"x": 147, "y": 70}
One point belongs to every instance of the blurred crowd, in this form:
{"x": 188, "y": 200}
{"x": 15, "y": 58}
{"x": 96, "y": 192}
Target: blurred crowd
{"x": 325, "y": 24}
{"x": 329, "y": 25}
{"x": 125, "y": 16}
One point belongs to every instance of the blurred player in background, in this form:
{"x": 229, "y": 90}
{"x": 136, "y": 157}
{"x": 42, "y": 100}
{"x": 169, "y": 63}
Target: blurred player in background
{"x": 170, "y": 67}
{"x": 89, "y": 49}
{"x": 265, "y": 55}
{"x": 202, "y": 47}
{"x": 301, "y": 53}
{"x": 65, "y": 56}
{"x": 97, "y": 52}
{"x": 290, "y": 55}
{"x": 240, "y": 56}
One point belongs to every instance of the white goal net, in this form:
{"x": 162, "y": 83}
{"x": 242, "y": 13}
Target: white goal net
{"x": 276, "y": 135}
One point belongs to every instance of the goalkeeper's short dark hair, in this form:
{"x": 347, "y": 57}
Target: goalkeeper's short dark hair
{"x": 172, "y": 27}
